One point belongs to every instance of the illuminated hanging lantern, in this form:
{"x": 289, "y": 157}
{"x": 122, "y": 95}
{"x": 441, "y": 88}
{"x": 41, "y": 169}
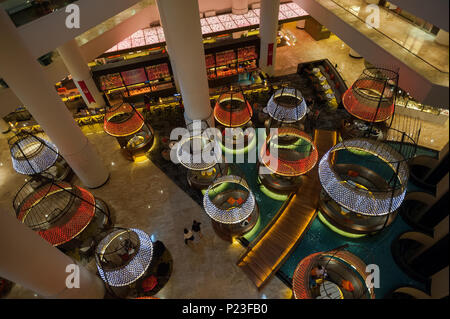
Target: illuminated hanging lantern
{"x": 346, "y": 277}
{"x": 30, "y": 154}
{"x": 127, "y": 124}
{"x": 239, "y": 210}
{"x": 198, "y": 153}
{"x": 202, "y": 157}
{"x": 123, "y": 256}
{"x": 372, "y": 181}
{"x": 231, "y": 205}
{"x": 286, "y": 156}
{"x": 372, "y": 97}
{"x": 58, "y": 211}
{"x": 287, "y": 105}
{"x": 233, "y": 110}
{"x": 293, "y": 159}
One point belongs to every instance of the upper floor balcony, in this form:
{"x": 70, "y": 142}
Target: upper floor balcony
{"x": 394, "y": 41}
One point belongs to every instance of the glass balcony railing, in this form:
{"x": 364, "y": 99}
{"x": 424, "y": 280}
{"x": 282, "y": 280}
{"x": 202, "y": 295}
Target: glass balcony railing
{"x": 400, "y": 32}
{"x": 25, "y": 11}
{"x": 113, "y": 22}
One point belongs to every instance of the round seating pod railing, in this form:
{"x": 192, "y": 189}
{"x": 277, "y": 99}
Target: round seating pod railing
{"x": 360, "y": 198}
{"x": 238, "y": 210}
{"x": 287, "y": 105}
{"x": 294, "y": 159}
{"x": 123, "y": 256}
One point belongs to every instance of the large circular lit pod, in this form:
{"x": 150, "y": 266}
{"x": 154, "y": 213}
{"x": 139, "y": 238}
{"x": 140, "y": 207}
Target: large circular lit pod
{"x": 351, "y": 265}
{"x": 371, "y": 98}
{"x": 233, "y": 110}
{"x": 123, "y": 120}
{"x": 287, "y": 105}
{"x": 293, "y": 159}
{"x": 58, "y": 212}
{"x": 198, "y": 153}
{"x": 113, "y": 267}
{"x": 359, "y": 199}
{"x": 234, "y": 214}
{"x": 30, "y": 154}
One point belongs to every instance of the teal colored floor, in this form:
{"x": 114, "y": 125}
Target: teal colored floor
{"x": 268, "y": 207}
{"x": 373, "y": 250}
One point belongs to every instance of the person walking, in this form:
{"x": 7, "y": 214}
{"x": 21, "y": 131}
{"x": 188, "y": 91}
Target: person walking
{"x": 188, "y": 236}
{"x": 196, "y": 228}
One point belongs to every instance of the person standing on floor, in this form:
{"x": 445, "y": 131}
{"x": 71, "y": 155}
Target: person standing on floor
{"x": 196, "y": 228}
{"x": 188, "y": 236}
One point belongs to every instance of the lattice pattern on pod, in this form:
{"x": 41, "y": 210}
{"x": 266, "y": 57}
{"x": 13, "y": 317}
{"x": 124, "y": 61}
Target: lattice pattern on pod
{"x": 289, "y": 112}
{"x": 233, "y": 215}
{"x": 134, "y": 268}
{"x": 363, "y": 201}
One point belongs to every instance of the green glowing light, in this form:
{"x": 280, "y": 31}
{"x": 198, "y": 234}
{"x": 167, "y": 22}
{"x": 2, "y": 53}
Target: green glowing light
{"x": 356, "y": 152}
{"x": 337, "y": 230}
{"x": 254, "y": 230}
{"x": 240, "y": 151}
{"x": 273, "y": 195}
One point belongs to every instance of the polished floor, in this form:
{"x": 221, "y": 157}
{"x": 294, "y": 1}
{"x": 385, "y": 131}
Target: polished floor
{"x": 407, "y": 42}
{"x": 141, "y": 196}
{"x": 401, "y": 31}
{"x": 434, "y": 134}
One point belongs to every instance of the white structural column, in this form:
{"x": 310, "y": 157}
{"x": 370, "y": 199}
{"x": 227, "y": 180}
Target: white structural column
{"x": 268, "y": 30}
{"x": 354, "y": 54}
{"x": 81, "y": 74}
{"x": 27, "y": 80}
{"x": 4, "y": 127}
{"x": 442, "y": 37}
{"x": 181, "y": 24}
{"x": 239, "y": 6}
{"x": 30, "y": 261}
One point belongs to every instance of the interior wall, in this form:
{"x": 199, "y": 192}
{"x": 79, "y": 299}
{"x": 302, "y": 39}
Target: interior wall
{"x": 9, "y": 102}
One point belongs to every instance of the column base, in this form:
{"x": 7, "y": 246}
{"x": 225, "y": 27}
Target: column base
{"x": 354, "y": 54}
{"x": 239, "y": 11}
{"x": 209, "y": 119}
{"x": 4, "y": 127}
{"x": 301, "y": 24}
{"x": 269, "y": 70}
{"x": 442, "y": 38}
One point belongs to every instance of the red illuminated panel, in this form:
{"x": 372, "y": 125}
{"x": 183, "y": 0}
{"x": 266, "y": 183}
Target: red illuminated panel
{"x": 247, "y": 53}
{"x": 111, "y": 81}
{"x": 155, "y": 72}
{"x": 134, "y": 76}
{"x": 225, "y": 57}
{"x": 210, "y": 60}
